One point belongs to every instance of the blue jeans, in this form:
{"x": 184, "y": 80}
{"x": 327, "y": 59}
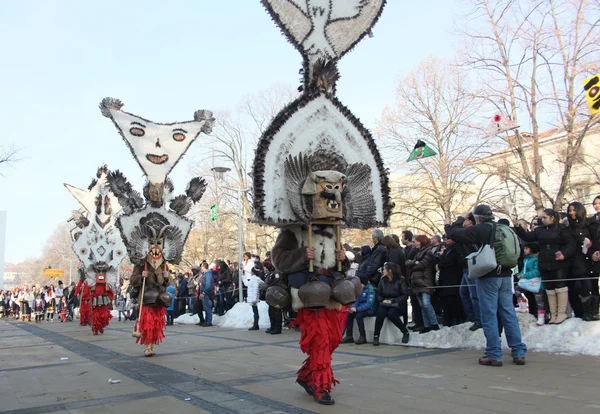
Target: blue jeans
{"x": 429, "y": 318}
{"x": 470, "y": 300}
{"x": 207, "y": 309}
{"x": 496, "y": 302}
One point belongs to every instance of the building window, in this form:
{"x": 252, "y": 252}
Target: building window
{"x": 582, "y": 193}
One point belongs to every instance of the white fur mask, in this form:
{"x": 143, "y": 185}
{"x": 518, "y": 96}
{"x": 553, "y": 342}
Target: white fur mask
{"x": 156, "y": 147}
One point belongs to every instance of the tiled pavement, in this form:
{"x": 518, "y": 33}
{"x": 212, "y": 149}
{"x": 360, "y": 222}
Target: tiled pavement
{"x": 216, "y": 370}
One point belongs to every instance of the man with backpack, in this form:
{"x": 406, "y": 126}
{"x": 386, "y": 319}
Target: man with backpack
{"x": 494, "y": 288}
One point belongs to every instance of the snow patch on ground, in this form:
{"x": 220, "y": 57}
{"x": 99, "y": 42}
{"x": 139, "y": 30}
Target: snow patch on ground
{"x": 238, "y": 317}
{"x": 572, "y": 337}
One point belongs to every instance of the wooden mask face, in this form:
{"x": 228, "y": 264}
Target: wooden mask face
{"x": 327, "y": 202}
{"x": 155, "y": 255}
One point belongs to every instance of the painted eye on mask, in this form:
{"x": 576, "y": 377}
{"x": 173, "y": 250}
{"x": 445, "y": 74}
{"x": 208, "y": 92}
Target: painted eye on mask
{"x": 178, "y": 136}
{"x": 329, "y": 187}
{"x": 337, "y": 187}
{"x": 137, "y": 132}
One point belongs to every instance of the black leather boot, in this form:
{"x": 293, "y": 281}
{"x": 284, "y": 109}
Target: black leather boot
{"x": 255, "y": 326}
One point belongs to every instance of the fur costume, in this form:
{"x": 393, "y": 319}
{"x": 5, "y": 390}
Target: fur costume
{"x": 154, "y": 228}
{"x": 99, "y": 248}
{"x": 315, "y": 167}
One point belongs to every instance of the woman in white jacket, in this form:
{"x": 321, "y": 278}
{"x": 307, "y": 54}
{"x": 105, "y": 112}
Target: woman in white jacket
{"x": 253, "y": 296}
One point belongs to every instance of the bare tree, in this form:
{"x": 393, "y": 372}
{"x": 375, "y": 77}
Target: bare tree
{"x": 532, "y": 56}
{"x": 434, "y": 104}
{"x": 9, "y": 156}
{"x": 235, "y": 136}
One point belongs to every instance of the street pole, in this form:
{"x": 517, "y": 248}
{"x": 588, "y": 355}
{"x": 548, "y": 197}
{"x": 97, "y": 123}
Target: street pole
{"x": 240, "y": 247}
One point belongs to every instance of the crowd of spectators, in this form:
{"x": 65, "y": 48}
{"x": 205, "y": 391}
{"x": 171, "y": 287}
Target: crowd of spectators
{"x": 561, "y": 251}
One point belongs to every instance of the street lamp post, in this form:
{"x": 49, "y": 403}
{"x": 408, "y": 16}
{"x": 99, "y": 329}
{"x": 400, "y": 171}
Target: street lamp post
{"x": 70, "y": 266}
{"x": 220, "y": 171}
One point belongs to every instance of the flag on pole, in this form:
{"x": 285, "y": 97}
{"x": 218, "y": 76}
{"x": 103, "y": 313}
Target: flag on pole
{"x": 500, "y": 123}
{"x": 591, "y": 86}
{"x": 214, "y": 212}
{"x": 421, "y": 150}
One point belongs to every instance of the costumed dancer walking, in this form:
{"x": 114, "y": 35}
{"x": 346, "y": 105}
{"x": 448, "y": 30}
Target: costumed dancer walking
{"x": 82, "y": 292}
{"x": 154, "y": 228}
{"x": 102, "y": 296}
{"x": 315, "y": 167}
{"x": 99, "y": 248}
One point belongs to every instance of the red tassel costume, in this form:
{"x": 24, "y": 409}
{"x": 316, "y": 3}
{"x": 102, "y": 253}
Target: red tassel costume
{"x": 152, "y": 323}
{"x": 152, "y": 320}
{"x": 101, "y": 315}
{"x": 321, "y": 335}
{"x": 82, "y": 291}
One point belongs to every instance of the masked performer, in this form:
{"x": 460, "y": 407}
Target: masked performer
{"x": 315, "y": 168}
{"x": 154, "y": 227}
{"x": 99, "y": 248}
{"x": 82, "y": 292}
{"x": 102, "y": 296}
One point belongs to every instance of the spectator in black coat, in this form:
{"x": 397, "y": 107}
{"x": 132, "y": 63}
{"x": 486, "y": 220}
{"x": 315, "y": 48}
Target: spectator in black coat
{"x": 580, "y": 291}
{"x": 594, "y": 229}
{"x": 365, "y": 254}
{"x": 557, "y": 247}
{"x": 468, "y": 290}
{"x": 392, "y": 294}
{"x": 377, "y": 259}
{"x": 182, "y": 293}
{"x": 449, "y": 263}
{"x": 407, "y": 240}
{"x": 395, "y": 253}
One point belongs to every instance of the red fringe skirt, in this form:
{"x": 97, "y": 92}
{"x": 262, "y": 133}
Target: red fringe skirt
{"x": 321, "y": 335}
{"x": 85, "y": 312}
{"x": 343, "y": 317}
{"x": 151, "y": 324}
{"x": 100, "y": 318}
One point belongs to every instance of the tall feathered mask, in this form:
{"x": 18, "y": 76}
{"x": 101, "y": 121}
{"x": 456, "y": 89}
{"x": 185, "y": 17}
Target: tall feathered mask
{"x": 341, "y": 192}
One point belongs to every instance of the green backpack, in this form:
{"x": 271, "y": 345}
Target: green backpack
{"x": 506, "y": 245}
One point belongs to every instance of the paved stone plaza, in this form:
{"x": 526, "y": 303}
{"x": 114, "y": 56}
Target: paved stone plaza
{"x": 215, "y": 370}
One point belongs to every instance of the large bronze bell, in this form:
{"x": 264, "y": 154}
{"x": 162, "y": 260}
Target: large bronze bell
{"x": 315, "y": 294}
{"x": 150, "y": 296}
{"x": 343, "y": 292}
{"x": 165, "y": 299}
{"x": 278, "y": 297}
{"x": 358, "y": 288}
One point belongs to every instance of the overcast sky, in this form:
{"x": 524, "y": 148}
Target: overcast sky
{"x": 164, "y": 60}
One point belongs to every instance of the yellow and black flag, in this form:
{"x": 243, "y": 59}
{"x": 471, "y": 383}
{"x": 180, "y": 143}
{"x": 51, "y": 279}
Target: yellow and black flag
{"x": 591, "y": 86}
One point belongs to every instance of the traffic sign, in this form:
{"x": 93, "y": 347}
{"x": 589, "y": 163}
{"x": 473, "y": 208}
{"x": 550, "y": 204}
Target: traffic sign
{"x": 54, "y": 272}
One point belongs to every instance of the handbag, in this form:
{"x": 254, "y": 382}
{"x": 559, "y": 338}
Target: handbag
{"x": 531, "y": 285}
{"x": 483, "y": 261}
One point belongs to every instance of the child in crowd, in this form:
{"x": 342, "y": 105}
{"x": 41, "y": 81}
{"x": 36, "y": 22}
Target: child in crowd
{"x": 39, "y": 308}
{"x": 50, "y": 310}
{"x": 64, "y": 309}
{"x": 530, "y": 280}
{"x": 121, "y": 307}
